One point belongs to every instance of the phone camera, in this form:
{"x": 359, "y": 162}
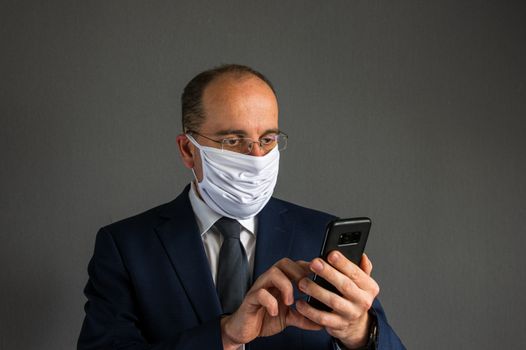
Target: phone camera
{"x": 349, "y": 238}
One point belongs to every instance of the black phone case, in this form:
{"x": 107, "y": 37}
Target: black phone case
{"x": 341, "y": 235}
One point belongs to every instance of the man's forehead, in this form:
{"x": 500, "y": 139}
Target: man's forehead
{"x": 230, "y": 84}
{"x": 238, "y": 93}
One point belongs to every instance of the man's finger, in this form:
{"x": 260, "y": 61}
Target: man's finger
{"x": 366, "y": 265}
{"x": 295, "y": 319}
{"x": 323, "y": 318}
{"x": 292, "y": 269}
{"x": 305, "y": 266}
{"x": 352, "y": 271}
{"x": 338, "y": 279}
{"x": 263, "y": 297}
{"x": 349, "y": 307}
{"x": 276, "y": 278}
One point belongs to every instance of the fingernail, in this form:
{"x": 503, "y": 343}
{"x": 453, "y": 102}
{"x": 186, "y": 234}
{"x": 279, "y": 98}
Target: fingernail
{"x": 334, "y": 257}
{"x": 317, "y": 266}
{"x": 302, "y": 285}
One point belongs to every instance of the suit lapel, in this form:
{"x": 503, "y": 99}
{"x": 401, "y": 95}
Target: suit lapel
{"x": 274, "y": 236}
{"x": 181, "y": 240}
{"x": 180, "y": 237}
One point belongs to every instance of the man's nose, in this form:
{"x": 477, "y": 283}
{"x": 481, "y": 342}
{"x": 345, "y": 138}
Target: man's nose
{"x": 256, "y": 150}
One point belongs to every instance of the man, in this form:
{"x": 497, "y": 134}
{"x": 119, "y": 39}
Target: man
{"x": 220, "y": 266}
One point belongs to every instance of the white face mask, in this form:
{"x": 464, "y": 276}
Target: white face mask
{"x": 236, "y": 185}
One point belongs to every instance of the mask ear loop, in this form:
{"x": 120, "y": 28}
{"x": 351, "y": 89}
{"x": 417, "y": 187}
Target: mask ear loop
{"x": 194, "y": 142}
{"x": 195, "y": 176}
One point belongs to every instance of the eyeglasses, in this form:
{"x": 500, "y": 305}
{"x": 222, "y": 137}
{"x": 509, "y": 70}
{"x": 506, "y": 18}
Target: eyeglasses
{"x": 244, "y": 145}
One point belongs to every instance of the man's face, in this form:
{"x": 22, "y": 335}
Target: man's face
{"x": 233, "y": 107}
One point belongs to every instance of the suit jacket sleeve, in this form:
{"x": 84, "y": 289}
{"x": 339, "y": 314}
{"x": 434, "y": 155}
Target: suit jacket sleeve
{"x": 387, "y": 338}
{"x": 112, "y": 320}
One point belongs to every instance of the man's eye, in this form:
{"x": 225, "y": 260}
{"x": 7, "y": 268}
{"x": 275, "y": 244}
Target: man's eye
{"x": 267, "y": 140}
{"x": 231, "y": 142}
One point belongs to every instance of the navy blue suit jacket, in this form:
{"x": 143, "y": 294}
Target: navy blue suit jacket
{"x": 150, "y": 285}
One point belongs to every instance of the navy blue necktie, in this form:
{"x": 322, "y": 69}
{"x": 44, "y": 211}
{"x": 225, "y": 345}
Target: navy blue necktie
{"x": 232, "y": 271}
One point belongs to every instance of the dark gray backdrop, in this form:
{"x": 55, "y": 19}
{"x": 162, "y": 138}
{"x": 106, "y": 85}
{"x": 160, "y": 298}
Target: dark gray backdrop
{"x": 411, "y": 112}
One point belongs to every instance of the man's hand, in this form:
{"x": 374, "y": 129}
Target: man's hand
{"x": 349, "y": 320}
{"x": 266, "y": 308}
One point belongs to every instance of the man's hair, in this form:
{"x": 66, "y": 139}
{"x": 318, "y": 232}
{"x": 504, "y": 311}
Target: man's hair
{"x": 192, "y": 97}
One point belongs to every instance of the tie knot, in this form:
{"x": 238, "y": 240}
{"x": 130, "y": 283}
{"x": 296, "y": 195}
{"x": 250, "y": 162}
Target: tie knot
{"x": 229, "y": 228}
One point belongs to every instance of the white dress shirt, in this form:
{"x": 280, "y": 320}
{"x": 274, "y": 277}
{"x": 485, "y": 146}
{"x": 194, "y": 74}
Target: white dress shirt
{"x": 212, "y": 238}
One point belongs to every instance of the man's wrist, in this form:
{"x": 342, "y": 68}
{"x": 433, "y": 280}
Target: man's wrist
{"x": 370, "y": 342}
{"x": 229, "y": 343}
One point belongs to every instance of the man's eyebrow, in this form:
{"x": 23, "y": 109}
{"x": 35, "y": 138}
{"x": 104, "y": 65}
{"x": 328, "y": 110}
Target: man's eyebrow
{"x": 230, "y": 132}
{"x": 271, "y": 131}
{"x": 243, "y": 132}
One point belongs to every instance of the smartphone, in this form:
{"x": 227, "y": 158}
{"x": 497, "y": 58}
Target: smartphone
{"x": 348, "y": 236}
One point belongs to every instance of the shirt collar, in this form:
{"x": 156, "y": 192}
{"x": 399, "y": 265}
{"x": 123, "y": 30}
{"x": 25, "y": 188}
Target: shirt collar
{"x": 206, "y": 217}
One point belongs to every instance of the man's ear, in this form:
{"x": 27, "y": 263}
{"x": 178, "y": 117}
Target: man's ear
{"x": 186, "y": 150}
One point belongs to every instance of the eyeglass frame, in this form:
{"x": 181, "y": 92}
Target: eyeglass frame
{"x": 250, "y": 145}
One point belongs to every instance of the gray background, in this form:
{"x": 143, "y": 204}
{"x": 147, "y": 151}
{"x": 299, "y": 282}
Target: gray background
{"x": 411, "y": 112}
